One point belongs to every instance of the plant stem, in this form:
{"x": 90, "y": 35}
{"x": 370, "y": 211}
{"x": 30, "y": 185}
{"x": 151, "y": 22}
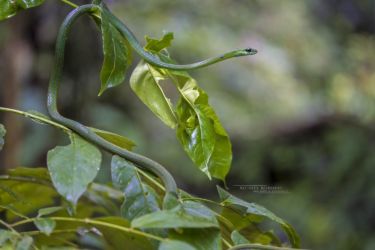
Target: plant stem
{"x": 7, "y": 226}
{"x": 69, "y": 3}
{"x": 24, "y": 179}
{"x": 31, "y": 233}
{"x": 36, "y": 117}
{"x": 226, "y": 243}
{"x": 14, "y": 212}
{"x": 95, "y": 222}
{"x": 147, "y": 176}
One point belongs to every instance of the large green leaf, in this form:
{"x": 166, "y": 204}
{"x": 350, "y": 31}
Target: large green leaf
{"x": 115, "y": 139}
{"x": 199, "y": 130}
{"x": 9, "y": 8}
{"x": 145, "y": 82}
{"x": 2, "y": 134}
{"x": 73, "y": 167}
{"x": 116, "y": 55}
{"x": 246, "y": 208}
{"x": 140, "y": 198}
{"x": 188, "y": 215}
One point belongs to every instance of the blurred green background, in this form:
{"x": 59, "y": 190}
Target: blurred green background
{"x": 301, "y": 113}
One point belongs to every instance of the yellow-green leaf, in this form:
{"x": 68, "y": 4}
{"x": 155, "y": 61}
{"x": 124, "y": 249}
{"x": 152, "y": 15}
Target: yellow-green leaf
{"x": 115, "y": 139}
{"x": 145, "y": 82}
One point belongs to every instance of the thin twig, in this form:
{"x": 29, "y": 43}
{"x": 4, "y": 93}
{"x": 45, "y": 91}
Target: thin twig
{"x": 94, "y": 222}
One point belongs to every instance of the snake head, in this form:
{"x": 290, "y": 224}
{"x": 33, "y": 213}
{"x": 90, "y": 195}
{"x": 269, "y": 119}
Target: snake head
{"x": 245, "y": 52}
{"x": 251, "y": 51}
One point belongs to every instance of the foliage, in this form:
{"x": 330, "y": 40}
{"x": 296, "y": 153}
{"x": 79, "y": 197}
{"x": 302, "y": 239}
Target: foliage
{"x": 61, "y": 206}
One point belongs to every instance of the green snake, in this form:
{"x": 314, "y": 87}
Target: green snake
{"x": 139, "y": 160}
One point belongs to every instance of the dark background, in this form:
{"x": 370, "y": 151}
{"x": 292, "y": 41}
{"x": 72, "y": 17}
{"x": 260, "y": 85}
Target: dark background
{"x": 300, "y": 113}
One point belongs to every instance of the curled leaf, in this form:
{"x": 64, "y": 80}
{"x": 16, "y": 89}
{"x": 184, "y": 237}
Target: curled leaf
{"x": 156, "y": 45}
{"x": 200, "y": 131}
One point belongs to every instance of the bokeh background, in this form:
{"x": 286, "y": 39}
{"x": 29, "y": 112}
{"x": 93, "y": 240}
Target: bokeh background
{"x": 301, "y": 113}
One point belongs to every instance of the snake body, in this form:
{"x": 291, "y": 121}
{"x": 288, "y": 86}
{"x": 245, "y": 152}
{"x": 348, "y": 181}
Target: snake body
{"x": 154, "y": 60}
{"x": 141, "y": 161}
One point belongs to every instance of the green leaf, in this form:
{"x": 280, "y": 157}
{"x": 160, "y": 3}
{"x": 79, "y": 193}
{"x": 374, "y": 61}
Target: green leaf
{"x": 115, "y": 139}
{"x": 175, "y": 244}
{"x": 48, "y": 211}
{"x": 247, "y": 208}
{"x": 140, "y": 198}
{"x": 255, "y": 235}
{"x": 36, "y": 173}
{"x": 25, "y": 243}
{"x": 200, "y": 239}
{"x": 73, "y": 167}
{"x": 5, "y": 235}
{"x": 200, "y": 131}
{"x": 2, "y": 134}
{"x": 117, "y": 239}
{"x": 238, "y": 239}
{"x": 145, "y": 82}
{"x": 156, "y": 45}
{"x": 106, "y": 191}
{"x": 116, "y": 55}
{"x": 188, "y": 215}
{"x": 22, "y": 198}
{"x": 45, "y": 225}
{"x": 9, "y": 8}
